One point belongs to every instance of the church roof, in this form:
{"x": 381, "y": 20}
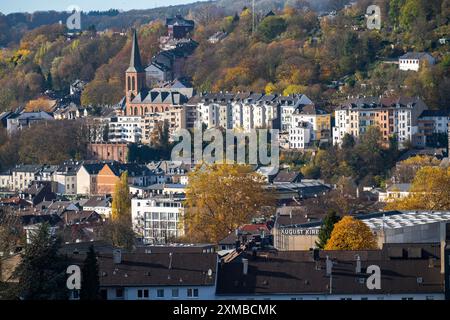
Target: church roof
{"x": 135, "y": 60}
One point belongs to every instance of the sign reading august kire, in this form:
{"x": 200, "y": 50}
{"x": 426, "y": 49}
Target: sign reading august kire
{"x": 299, "y": 231}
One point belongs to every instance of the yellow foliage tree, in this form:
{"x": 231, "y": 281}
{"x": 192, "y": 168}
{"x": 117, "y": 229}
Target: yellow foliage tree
{"x": 121, "y": 205}
{"x": 351, "y": 234}
{"x": 220, "y": 198}
{"x": 430, "y": 190}
{"x": 270, "y": 88}
{"x": 294, "y": 89}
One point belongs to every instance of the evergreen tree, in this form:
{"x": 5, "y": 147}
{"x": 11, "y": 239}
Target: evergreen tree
{"x": 90, "y": 282}
{"x": 49, "y": 81}
{"x": 42, "y": 271}
{"x": 326, "y": 229}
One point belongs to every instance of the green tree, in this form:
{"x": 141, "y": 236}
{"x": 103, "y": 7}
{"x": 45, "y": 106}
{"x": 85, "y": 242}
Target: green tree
{"x": 327, "y": 228}
{"x": 271, "y": 27}
{"x": 42, "y": 271}
{"x": 90, "y": 282}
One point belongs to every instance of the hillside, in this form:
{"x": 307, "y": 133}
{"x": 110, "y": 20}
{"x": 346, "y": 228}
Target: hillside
{"x": 295, "y": 51}
{"x": 327, "y": 58}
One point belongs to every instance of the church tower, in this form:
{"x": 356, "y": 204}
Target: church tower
{"x": 134, "y": 76}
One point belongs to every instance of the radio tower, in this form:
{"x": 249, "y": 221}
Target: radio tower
{"x": 254, "y": 17}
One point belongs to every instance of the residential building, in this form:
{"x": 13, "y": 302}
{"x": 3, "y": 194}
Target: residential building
{"x": 407, "y": 272}
{"x": 26, "y": 119}
{"x": 6, "y": 182}
{"x": 164, "y": 275}
{"x": 432, "y": 123}
{"x": 395, "y": 117}
{"x": 157, "y": 218}
{"x": 23, "y": 175}
{"x": 125, "y": 129}
{"x": 157, "y": 72}
{"x": 87, "y": 178}
{"x": 110, "y": 174}
{"x": 394, "y": 192}
{"x": 66, "y": 178}
{"x": 217, "y": 37}
{"x": 100, "y": 205}
{"x": 179, "y": 27}
{"x": 413, "y": 60}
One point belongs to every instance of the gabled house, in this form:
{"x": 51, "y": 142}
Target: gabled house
{"x": 413, "y": 60}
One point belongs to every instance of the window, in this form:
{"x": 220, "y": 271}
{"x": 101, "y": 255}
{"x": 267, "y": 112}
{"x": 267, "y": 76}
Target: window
{"x": 175, "y": 293}
{"x": 192, "y": 293}
{"x": 142, "y": 293}
{"x": 160, "y": 293}
{"x": 119, "y": 293}
{"x": 76, "y": 295}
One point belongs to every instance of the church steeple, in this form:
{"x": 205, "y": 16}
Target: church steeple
{"x": 135, "y": 60}
{"x": 134, "y": 77}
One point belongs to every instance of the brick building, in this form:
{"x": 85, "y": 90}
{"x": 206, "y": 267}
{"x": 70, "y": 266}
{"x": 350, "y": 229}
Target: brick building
{"x": 108, "y": 151}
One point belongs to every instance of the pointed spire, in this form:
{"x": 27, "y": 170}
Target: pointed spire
{"x": 135, "y": 61}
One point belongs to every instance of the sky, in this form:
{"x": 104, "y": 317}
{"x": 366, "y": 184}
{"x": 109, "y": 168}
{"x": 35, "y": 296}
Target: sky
{"x": 8, "y": 6}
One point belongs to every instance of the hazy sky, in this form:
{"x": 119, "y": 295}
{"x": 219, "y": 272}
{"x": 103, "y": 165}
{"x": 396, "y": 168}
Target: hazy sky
{"x": 8, "y": 6}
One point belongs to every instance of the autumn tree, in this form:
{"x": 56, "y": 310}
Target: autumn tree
{"x": 326, "y": 229}
{"x": 121, "y": 204}
{"x": 430, "y": 190}
{"x": 351, "y": 234}
{"x": 405, "y": 171}
{"x": 118, "y": 231}
{"x": 220, "y": 198}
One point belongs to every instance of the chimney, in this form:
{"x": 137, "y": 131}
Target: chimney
{"x": 117, "y": 256}
{"x": 329, "y": 266}
{"x": 358, "y": 264}
{"x": 245, "y": 266}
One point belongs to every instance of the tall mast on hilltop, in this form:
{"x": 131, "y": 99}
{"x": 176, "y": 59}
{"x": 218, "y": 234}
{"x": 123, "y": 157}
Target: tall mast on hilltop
{"x": 253, "y": 17}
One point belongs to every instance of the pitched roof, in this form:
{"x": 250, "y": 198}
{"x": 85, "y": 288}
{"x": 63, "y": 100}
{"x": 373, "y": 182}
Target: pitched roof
{"x": 135, "y": 60}
{"x": 99, "y": 201}
{"x": 287, "y": 176}
{"x": 296, "y": 272}
{"x": 435, "y": 113}
{"x": 157, "y": 269}
{"x": 416, "y": 55}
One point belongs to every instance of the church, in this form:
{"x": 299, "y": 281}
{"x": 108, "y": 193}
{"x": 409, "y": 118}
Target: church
{"x": 140, "y": 100}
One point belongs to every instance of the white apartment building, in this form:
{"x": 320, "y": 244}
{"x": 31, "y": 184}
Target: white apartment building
{"x": 5, "y": 181}
{"x": 157, "y": 219}
{"x": 207, "y": 114}
{"x": 23, "y": 175}
{"x": 125, "y": 129}
{"x": 300, "y": 135}
{"x": 247, "y": 110}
